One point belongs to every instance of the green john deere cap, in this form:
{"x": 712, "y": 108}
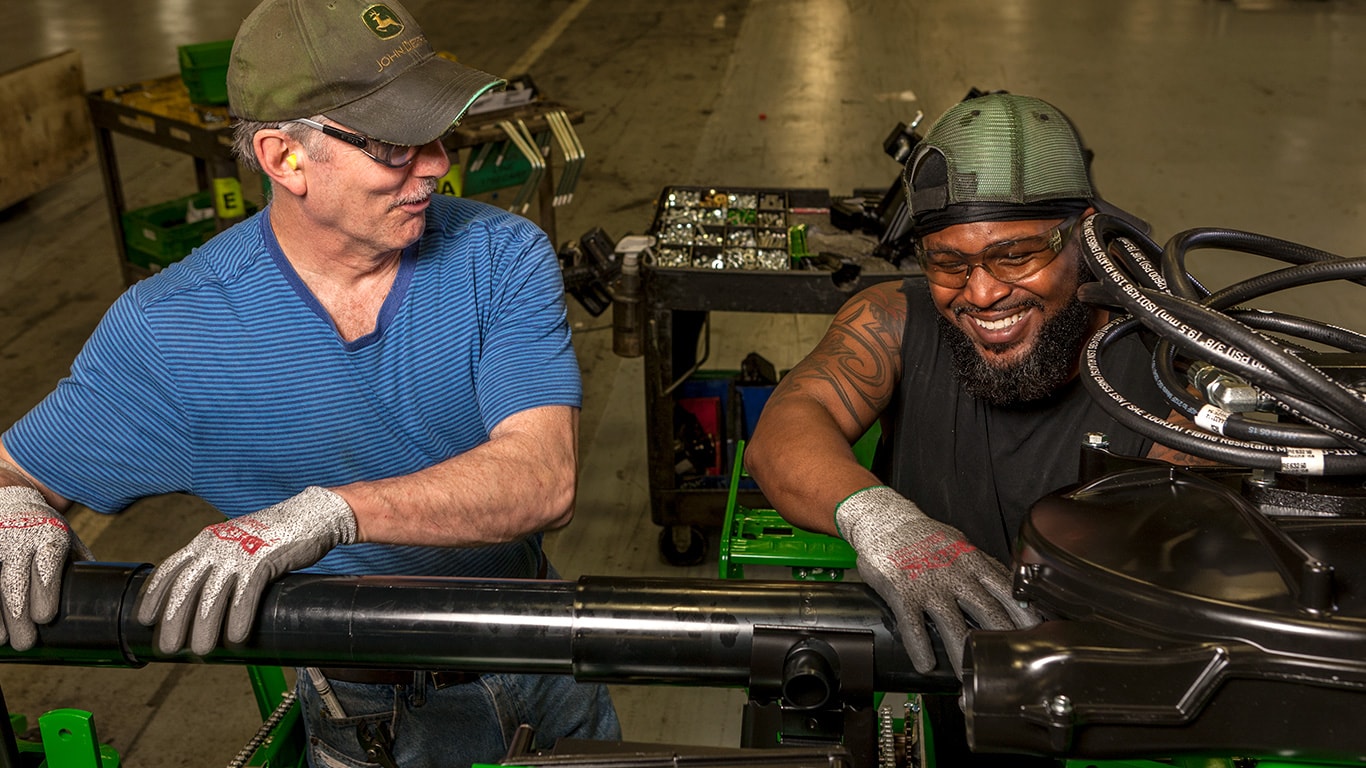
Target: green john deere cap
{"x": 998, "y": 157}
{"x": 366, "y": 65}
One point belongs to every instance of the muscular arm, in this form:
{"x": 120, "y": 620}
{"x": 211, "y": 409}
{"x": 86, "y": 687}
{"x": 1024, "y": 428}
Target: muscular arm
{"x": 521, "y": 481}
{"x": 800, "y": 452}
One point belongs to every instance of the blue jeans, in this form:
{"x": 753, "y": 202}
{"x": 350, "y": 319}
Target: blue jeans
{"x": 457, "y": 725}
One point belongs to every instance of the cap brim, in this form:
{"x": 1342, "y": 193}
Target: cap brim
{"x": 418, "y": 106}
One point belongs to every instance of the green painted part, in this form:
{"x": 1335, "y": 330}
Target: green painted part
{"x": 285, "y": 744}
{"x": 866, "y": 447}
{"x": 69, "y": 739}
{"x": 268, "y": 683}
{"x": 796, "y": 241}
{"x": 763, "y": 537}
{"x": 512, "y": 172}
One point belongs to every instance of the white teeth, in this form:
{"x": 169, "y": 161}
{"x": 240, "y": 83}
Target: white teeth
{"x": 996, "y": 325}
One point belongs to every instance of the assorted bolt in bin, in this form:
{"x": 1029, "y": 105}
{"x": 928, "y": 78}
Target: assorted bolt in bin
{"x": 717, "y": 228}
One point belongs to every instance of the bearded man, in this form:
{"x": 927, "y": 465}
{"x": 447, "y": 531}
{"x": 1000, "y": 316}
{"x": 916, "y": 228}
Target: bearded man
{"x": 972, "y": 369}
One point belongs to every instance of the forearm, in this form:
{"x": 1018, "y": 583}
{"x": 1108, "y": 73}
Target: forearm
{"x": 12, "y": 474}
{"x": 520, "y": 482}
{"x": 803, "y": 462}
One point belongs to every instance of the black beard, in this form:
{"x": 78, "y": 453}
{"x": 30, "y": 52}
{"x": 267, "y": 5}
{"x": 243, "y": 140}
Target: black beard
{"x": 1038, "y": 374}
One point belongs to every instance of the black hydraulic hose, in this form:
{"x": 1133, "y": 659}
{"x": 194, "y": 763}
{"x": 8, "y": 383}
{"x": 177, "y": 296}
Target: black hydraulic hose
{"x": 1171, "y": 385}
{"x": 1234, "y": 424}
{"x": 1230, "y": 342}
{"x": 1308, "y": 411}
{"x": 1173, "y": 255}
{"x": 1143, "y": 304}
{"x": 1099, "y": 231}
{"x": 611, "y": 630}
{"x": 1201, "y": 443}
{"x": 1301, "y": 328}
{"x": 1159, "y": 429}
{"x": 1263, "y": 358}
{"x": 1282, "y": 279}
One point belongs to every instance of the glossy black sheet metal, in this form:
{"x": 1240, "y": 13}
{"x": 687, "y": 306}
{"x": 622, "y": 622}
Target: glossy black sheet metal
{"x": 1183, "y": 621}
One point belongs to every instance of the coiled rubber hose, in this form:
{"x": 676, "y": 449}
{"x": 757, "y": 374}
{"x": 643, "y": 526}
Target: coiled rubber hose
{"x": 1322, "y": 421}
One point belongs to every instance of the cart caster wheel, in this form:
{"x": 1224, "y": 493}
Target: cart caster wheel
{"x": 682, "y": 545}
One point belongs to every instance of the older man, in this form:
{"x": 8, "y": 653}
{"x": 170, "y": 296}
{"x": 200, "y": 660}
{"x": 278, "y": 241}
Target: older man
{"x": 366, "y": 378}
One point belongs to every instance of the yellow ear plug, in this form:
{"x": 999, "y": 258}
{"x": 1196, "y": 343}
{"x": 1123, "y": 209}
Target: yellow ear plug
{"x": 293, "y": 160}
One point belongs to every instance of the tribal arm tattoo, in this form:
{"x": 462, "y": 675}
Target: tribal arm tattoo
{"x": 855, "y": 367}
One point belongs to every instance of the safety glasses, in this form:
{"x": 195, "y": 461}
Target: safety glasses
{"x": 1008, "y": 261}
{"x": 382, "y": 152}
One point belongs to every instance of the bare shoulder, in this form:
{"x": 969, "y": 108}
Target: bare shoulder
{"x": 885, "y": 301}
{"x": 876, "y": 315}
{"x": 855, "y": 367}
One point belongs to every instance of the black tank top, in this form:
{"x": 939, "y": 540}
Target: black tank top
{"x": 979, "y": 467}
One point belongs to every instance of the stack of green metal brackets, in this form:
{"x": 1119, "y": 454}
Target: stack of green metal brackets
{"x": 763, "y": 537}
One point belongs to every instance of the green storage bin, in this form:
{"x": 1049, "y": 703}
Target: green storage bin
{"x": 204, "y": 70}
{"x": 161, "y": 234}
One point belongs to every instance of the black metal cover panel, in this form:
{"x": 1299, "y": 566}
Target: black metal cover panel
{"x": 1183, "y": 621}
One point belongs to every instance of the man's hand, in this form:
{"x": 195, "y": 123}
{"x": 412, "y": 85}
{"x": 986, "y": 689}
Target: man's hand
{"x": 229, "y": 564}
{"x": 34, "y": 540}
{"x": 921, "y": 566}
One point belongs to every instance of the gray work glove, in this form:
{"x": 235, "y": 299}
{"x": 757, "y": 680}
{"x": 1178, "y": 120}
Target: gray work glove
{"x": 921, "y": 566}
{"x": 229, "y": 564}
{"x": 34, "y": 541}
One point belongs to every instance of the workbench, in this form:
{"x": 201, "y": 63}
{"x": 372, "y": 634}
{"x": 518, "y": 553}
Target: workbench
{"x": 677, "y": 301}
{"x": 160, "y": 111}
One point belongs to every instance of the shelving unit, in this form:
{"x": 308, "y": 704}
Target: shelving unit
{"x": 677, "y": 302}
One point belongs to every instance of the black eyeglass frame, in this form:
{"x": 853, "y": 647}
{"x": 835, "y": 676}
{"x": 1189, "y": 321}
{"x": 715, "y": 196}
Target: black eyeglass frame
{"x": 365, "y": 144}
{"x": 1057, "y": 242}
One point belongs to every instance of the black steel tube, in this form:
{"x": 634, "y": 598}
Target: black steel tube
{"x": 615, "y": 630}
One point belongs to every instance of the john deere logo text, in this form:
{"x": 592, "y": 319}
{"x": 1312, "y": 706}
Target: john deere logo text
{"x": 382, "y": 21}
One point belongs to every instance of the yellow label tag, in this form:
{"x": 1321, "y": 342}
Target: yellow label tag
{"x": 453, "y": 183}
{"x": 227, "y": 198}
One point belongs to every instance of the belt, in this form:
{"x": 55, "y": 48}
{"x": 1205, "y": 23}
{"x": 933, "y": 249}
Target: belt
{"x": 441, "y": 678}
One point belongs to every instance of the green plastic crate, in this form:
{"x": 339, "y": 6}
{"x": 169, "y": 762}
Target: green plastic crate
{"x": 162, "y": 234}
{"x": 204, "y": 70}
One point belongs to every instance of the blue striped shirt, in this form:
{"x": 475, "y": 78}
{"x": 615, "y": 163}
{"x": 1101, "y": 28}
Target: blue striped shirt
{"x": 224, "y": 378}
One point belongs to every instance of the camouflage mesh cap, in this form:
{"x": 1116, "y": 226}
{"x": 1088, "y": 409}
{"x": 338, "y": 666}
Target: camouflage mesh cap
{"x": 997, "y": 157}
{"x": 366, "y": 65}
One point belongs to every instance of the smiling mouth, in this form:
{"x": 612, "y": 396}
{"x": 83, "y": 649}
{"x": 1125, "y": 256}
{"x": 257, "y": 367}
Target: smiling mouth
{"x": 997, "y": 325}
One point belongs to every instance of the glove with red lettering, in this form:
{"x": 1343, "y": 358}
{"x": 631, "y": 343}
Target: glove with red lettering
{"x": 921, "y": 567}
{"x": 225, "y": 569}
{"x": 34, "y": 541}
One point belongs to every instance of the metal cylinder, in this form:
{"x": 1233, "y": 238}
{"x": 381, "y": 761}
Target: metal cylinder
{"x": 809, "y": 676}
{"x": 616, "y": 630}
{"x": 628, "y": 311}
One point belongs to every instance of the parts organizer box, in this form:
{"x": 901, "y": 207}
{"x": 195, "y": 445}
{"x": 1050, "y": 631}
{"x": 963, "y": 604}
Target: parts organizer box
{"x": 732, "y": 228}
